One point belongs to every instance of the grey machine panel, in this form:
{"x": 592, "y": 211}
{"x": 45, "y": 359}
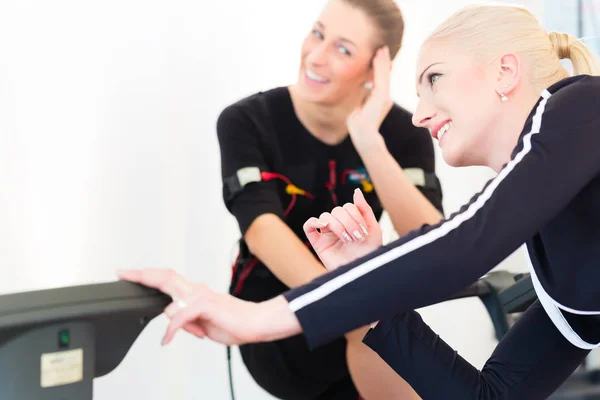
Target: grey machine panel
{"x": 54, "y": 342}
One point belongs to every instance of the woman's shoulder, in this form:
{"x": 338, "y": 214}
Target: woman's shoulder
{"x": 575, "y": 91}
{"x": 254, "y": 101}
{"x": 253, "y": 110}
{"x": 574, "y": 101}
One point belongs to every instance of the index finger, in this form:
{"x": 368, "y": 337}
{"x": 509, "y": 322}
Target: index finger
{"x": 311, "y": 229}
{"x": 181, "y": 318}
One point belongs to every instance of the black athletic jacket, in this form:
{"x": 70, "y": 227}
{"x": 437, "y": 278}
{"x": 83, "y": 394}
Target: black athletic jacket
{"x": 547, "y": 196}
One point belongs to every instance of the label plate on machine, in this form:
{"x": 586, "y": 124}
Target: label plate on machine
{"x": 61, "y": 368}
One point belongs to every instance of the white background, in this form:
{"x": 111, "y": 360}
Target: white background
{"x": 109, "y": 157}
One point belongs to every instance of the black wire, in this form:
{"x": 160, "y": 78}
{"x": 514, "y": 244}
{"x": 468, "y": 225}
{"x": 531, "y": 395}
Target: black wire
{"x": 230, "y": 374}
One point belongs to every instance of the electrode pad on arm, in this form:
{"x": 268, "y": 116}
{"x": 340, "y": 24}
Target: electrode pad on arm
{"x": 235, "y": 183}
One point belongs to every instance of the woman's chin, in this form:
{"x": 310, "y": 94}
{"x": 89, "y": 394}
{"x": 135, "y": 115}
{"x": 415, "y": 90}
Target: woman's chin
{"x": 322, "y": 95}
{"x": 311, "y": 97}
{"x": 453, "y": 158}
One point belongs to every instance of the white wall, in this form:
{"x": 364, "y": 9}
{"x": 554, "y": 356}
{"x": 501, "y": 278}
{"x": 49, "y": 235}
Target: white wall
{"x": 108, "y": 157}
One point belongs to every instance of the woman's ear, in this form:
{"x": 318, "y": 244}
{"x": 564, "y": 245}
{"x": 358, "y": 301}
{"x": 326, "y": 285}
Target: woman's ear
{"x": 508, "y": 73}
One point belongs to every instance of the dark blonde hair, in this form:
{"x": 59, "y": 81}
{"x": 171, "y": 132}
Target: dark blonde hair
{"x": 387, "y": 17}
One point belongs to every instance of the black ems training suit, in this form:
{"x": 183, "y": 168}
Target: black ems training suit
{"x": 272, "y": 164}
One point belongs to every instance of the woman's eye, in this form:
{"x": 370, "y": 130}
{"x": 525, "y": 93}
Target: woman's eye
{"x": 433, "y": 77}
{"x": 343, "y": 50}
{"x": 317, "y": 34}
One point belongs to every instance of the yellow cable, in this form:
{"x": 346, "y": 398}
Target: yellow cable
{"x": 291, "y": 189}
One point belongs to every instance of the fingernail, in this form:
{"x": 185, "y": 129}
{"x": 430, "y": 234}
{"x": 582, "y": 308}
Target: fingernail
{"x": 346, "y": 237}
{"x": 364, "y": 229}
{"x": 358, "y": 235}
{"x": 163, "y": 341}
{"x": 323, "y": 224}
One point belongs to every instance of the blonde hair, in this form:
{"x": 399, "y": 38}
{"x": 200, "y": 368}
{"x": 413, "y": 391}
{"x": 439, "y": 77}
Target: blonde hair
{"x": 488, "y": 30}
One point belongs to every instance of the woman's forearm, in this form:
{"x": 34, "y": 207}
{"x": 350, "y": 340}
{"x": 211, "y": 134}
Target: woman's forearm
{"x": 282, "y": 252}
{"x": 407, "y": 206}
{"x": 276, "y": 320}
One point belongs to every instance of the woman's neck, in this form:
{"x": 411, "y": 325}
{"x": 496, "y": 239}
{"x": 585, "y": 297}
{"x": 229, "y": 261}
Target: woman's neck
{"x": 325, "y": 122}
{"x": 505, "y": 144}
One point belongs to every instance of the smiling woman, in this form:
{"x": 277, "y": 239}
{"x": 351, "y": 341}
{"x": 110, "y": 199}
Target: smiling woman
{"x": 293, "y": 152}
{"x": 338, "y": 51}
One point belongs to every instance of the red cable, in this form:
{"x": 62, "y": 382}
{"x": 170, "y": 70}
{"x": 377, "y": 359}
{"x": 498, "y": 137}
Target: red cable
{"x": 332, "y": 172}
{"x": 332, "y": 184}
{"x": 272, "y": 175}
{"x": 234, "y": 266}
{"x": 248, "y": 269}
{"x": 245, "y": 273}
{"x": 290, "y": 206}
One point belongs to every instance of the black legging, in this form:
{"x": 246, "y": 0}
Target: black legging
{"x": 531, "y": 361}
{"x": 288, "y": 370}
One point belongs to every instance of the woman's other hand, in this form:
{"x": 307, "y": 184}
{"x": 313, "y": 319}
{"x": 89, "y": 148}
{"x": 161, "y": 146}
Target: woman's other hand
{"x": 345, "y": 234}
{"x": 364, "y": 122}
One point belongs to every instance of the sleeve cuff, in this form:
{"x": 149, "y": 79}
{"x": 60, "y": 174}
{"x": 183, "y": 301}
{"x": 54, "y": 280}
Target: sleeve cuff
{"x": 311, "y": 323}
{"x": 321, "y": 323}
{"x": 377, "y": 337}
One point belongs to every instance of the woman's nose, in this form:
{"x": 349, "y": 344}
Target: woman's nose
{"x": 317, "y": 55}
{"x": 423, "y": 115}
